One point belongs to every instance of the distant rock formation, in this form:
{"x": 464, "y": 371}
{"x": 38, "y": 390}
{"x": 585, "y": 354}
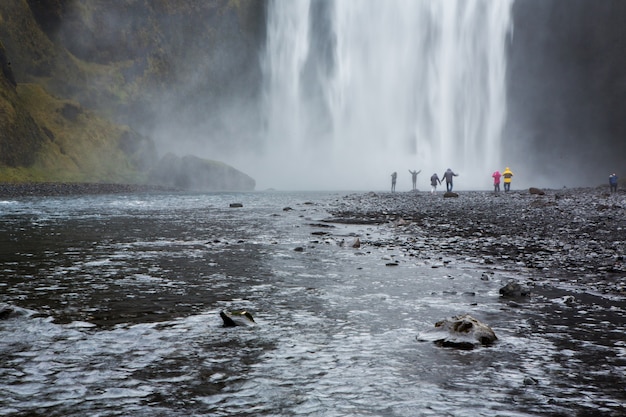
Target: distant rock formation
{"x": 193, "y": 173}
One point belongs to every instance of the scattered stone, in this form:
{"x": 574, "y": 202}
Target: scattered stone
{"x": 514, "y": 290}
{"x": 536, "y": 191}
{"x": 287, "y": 209}
{"x": 236, "y": 205}
{"x": 450, "y": 194}
{"x": 299, "y": 249}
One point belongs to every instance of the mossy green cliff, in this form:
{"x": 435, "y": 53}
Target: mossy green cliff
{"x": 82, "y": 80}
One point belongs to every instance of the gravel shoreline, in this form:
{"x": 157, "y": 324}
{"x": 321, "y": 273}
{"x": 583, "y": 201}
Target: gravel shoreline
{"x": 574, "y": 237}
{"x": 43, "y": 189}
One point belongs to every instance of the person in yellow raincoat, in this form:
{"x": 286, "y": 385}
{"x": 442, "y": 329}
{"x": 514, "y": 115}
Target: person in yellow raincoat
{"x": 507, "y": 174}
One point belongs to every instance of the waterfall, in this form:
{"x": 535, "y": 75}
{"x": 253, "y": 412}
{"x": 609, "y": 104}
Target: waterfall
{"x": 355, "y": 90}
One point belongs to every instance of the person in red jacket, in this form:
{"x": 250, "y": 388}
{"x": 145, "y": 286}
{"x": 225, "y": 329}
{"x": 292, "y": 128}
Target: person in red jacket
{"x": 496, "y": 181}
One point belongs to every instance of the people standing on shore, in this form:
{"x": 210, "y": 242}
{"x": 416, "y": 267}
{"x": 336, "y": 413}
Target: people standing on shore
{"x": 507, "y": 174}
{"x": 393, "y": 181}
{"x": 448, "y": 175}
{"x": 434, "y": 179}
{"x": 613, "y": 183}
{"x": 414, "y": 178}
{"x": 496, "y": 181}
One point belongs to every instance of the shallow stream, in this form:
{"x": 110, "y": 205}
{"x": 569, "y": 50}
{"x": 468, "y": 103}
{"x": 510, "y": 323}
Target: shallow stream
{"x": 117, "y": 301}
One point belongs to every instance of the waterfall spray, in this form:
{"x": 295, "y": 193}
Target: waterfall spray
{"x": 358, "y": 89}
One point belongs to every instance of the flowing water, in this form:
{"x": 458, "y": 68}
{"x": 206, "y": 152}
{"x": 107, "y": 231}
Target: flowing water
{"x": 364, "y": 88}
{"x": 117, "y": 302}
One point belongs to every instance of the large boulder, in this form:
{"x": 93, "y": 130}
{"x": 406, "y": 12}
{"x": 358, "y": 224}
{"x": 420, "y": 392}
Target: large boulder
{"x": 193, "y": 173}
{"x": 461, "y": 332}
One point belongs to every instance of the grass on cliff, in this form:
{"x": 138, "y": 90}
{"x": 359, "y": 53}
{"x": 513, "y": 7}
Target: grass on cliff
{"x": 81, "y": 146}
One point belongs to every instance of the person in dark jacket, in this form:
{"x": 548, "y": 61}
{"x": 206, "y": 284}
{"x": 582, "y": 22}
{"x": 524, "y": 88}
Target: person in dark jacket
{"x": 613, "y": 183}
{"x": 414, "y": 178}
{"x": 447, "y": 176}
{"x": 434, "y": 179}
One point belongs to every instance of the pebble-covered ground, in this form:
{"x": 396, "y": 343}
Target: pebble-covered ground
{"x": 575, "y": 237}
{"x": 14, "y": 190}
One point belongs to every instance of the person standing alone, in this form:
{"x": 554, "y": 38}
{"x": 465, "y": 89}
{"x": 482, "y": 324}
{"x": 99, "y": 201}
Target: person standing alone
{"x": 613, "y": 183}
{"x": 414, "y": 178}
{"x": 393, "y": 181}
{"x": 507, "y": 174}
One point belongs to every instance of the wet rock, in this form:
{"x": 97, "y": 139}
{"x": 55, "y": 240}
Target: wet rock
{"x": 356, "y": 243}
{"x": 237, "y": 318}
{"x": 6, "y": 311}
{"x": 460, "y": 332}
{"x": 514, "y": 290}
{"x": 530, "y": 381}
{"x": 536, "y": 191}
{"x": 299, "y": 249}
{"x": 236, "y": 205}
{"x": 450, "y": 194}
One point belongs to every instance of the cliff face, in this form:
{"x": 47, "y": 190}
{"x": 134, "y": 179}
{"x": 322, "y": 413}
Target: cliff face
{"x": 81, "y": 78}
{"x": 567, "y": 89}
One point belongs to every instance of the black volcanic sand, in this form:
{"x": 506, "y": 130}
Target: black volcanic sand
{"x": 571, "y": 237}
{"x": 15, "y": 190}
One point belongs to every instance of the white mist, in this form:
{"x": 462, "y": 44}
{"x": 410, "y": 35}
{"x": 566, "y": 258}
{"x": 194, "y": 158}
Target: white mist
{"x": 358, "y": 89}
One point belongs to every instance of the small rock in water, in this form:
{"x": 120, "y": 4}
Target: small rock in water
{"x": 5, "y": 311}
{"x": 530, "y": 381}
{"x": 461, "y": 332}
{"x": 236, "y": 205}
{"x": 237, "y": 318}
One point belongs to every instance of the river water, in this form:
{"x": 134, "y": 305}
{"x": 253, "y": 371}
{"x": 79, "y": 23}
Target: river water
{"x": 117, "y": 301}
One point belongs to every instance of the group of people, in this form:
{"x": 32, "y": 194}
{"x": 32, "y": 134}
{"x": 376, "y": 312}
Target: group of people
{"x": 434, "y": 180}
{"x": 448, "y": 178}
{"x": 507, "y": 174}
